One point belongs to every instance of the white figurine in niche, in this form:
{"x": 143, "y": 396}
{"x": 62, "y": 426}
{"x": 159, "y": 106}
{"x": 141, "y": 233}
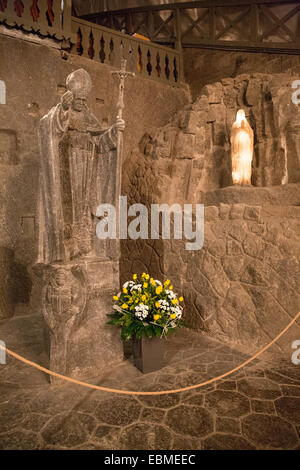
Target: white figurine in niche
{"x": 242, "y": 143}
{"x": 2, "y": 92}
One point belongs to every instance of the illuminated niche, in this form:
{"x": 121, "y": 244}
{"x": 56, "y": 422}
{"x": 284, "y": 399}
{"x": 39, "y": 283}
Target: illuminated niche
{"x": 242, "y": 138}
{"x": 2, "y": 92}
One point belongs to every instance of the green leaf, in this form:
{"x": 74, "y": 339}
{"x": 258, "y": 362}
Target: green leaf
{"x": 148, "y": 331}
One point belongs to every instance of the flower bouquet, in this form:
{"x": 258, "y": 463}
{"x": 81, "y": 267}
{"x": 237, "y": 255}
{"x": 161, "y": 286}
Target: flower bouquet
{"x": 146, "y": 309}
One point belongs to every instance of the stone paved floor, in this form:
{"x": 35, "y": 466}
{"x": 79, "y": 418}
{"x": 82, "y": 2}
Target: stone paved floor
{"x": 256, "y": 408}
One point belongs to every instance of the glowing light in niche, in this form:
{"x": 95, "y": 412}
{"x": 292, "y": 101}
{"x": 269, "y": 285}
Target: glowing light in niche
{"x": 241, "y": 150}
{"x": 2, "y": 92}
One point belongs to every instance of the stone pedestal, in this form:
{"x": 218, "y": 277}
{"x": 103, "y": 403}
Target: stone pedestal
{"x": 76, "y": 299}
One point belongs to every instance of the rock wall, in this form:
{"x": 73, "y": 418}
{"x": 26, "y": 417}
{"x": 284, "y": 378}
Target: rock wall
{"x": 243, "y": 287}
{"x": 35, "y": 76}
{"x": 191, "y": 155}
{"x": 205, "y": 66}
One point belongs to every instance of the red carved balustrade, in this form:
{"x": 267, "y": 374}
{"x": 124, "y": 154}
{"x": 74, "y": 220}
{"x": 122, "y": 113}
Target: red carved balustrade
{"x": 146, "y": 59}
{"x": 53, "y": 18}
{"x": 44, "y": 17}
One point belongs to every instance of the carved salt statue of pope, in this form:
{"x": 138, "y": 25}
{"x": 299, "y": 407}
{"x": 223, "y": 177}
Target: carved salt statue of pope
{"x": 78, "y": 159}
{"x": 242, "y": 142}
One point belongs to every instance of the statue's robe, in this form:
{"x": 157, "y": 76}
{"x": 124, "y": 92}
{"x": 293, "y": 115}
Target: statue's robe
{"x": 78, "y": 172}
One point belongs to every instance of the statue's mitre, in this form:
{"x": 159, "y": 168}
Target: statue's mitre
{"x": 79, "y": 82}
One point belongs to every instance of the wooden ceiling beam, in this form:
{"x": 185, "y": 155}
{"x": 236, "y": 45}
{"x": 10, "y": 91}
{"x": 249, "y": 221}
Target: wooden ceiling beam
{"x": 189, "y": 5}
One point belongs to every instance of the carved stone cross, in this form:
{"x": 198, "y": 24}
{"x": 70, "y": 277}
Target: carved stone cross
{"x": 121, "y": 75}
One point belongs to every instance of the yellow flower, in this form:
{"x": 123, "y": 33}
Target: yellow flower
{"x": 153, "y": 282}
{"x": 125, "y": 291}
{"x": 145, "y": 285}
{"x": 144, "y": 275}
{"x": 175, "y": 301}
{"x": 181, "y": 299}
{"x": 125, "y": 306}
{"x": 167, "y": 282}
{"x": 157, "y": 305}
{"x": 134, "y": 277}
{"x": 147, "y": 276}
{"x": 156, "y": 317}
{"x": 143, "y": 298}
{"x": 171, "y": 287}
{"x": 159, "y": 290}
{"x": 115, "y": 297}
{"x": 173, "y": 316}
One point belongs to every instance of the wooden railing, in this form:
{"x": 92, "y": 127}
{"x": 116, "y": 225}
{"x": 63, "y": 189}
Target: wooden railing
{"x": 107, "y": 46}
{"x": 247, "y": 25}
{"x": 45, "y": 17}
{"x": 52, "y": 18}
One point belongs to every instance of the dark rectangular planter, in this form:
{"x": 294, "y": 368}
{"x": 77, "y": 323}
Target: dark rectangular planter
{"x": 148, "y": 354}
{"x": 127, "y": 349}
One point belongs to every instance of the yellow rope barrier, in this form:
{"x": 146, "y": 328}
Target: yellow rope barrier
{"x": 163, "y": 392}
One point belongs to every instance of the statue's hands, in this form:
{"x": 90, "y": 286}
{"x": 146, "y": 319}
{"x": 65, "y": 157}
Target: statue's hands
{"x": 120, "y": 125}
{"x": 66, "y": 100}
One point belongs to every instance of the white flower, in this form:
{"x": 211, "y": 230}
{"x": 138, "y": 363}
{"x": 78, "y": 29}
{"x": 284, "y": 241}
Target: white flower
{"x": 158, "y": 282}
{"x": 137, "y": 287}
{"x": 141, "y": 311}
{"x": 177, "y": 311}
{"x": 128, "y": 284}
{"x": 171, "y": 295}
{"x": 164, "y": 305}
